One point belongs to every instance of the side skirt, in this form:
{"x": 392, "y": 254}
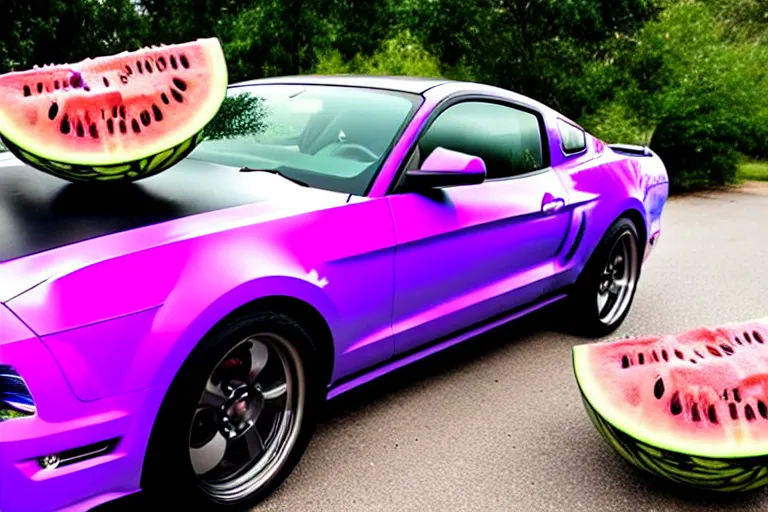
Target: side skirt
{"x": 354, "y": 381}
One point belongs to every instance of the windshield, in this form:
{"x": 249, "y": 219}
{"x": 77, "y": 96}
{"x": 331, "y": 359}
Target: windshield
{"x": 328, "y": 137}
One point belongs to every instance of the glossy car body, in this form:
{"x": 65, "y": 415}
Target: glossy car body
{"x": 99, "y": 328}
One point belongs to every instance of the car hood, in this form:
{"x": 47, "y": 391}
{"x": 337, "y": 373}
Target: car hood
{"x": 49, "y": 227}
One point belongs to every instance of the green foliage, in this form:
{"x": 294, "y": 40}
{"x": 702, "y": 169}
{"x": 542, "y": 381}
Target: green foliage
{"x": 401, "y": 55}
{"x": 685, "y": 76}
{"x": 239, "y": 115}
{"x": 753, "y": 170}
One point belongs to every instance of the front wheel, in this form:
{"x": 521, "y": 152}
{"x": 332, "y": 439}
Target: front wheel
{"x": 239, "y": 415}
{"x": 603, "y": 295}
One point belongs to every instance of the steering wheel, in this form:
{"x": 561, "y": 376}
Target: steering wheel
{"x": 361, "y": 150}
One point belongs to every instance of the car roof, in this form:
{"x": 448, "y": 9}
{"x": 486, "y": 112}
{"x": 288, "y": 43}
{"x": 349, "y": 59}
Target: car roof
{"x": 407, "y": 84}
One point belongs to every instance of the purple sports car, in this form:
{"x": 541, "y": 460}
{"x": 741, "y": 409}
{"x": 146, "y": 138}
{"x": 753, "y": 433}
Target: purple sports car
{"x": 180, "y": 334}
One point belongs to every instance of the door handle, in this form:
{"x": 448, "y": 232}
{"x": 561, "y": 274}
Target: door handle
{"x": 552, "y": 205}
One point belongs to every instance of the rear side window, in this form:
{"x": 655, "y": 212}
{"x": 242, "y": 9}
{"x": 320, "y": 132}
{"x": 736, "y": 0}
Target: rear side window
{"x": 506, "y": 138}
{"x": 573, "y": 138}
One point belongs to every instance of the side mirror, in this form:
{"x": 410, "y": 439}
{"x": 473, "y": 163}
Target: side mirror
{"x": 444, "y": 168}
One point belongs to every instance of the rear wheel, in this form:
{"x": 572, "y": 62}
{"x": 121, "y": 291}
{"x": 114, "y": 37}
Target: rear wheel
{"x": 603, "y": 295}
{"x": 239, "y": 416}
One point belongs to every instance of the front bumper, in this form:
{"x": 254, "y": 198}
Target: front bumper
{"x": 101, "y": 444}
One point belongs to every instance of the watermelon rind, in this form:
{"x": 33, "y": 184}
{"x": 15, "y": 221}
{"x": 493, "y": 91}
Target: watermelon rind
{"x": 55, "y": 163}
{"x": 123, "y": 171}
{"x": 724, "y": 467}
{"x": 732, "y": 475}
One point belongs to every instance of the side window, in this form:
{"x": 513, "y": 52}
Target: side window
{"x": 507, "y": 139}
{"x": 573, "y": 138}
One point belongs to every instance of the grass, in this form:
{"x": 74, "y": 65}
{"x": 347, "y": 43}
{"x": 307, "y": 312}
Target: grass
{"x": 752, "y": 171}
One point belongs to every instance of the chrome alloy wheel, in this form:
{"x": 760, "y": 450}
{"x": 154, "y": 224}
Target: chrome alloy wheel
{"x": 618, "y": 279}
{"x": 248, "y": 417}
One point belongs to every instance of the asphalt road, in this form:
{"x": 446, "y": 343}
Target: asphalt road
{"x": 497, "y": 424}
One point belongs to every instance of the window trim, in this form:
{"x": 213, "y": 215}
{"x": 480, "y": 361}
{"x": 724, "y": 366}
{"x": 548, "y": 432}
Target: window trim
{"x": 560, "y": 121}
{"x": 457, "y": 98}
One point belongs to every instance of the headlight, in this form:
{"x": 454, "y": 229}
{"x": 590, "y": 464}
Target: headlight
{"x": 15, "y": 399}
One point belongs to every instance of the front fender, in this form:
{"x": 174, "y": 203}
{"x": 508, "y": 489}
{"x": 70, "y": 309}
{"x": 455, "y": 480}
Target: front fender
{"x": 103, "y": 352}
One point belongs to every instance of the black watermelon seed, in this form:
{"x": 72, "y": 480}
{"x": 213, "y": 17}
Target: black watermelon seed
{"x": 712, "y": 414}
{"x": 157, "y": 113}
{"x": 161, "y": 65}
{"x": 734, "y": 412}
{"x": 749, "y": 413}
{"x": 177, "y": 95}
{"x": 679, "y": 354}
{"x": 184, "y": 61}
{"x": 641, "y": 358}
{"x": 727, "y": 349}
{"x": 128, "y": 69}
{"x": 114, "y": 111}
{"x": 139, "y": 66}
{"x": 173, "y": 62}
{"x": 53, "y": 111}
{"x": 695, "y": 413}
{"x": 56, "y": 84}
{"x": 135, "y": 126}
{"x": 86, "y": 88}
{"x": 694, "y": 361}
{"x": 698, "y": 353}
{"x": 80, "y": 130}
{"x": 737, "y": 340}
{"x": 746, "y": 337}
{"x": 725, "y": 394}
{"x": 106, "y": 82}
{"x": 39, "y": 87}
{"x": 111, "y": 126}
{"x": 180, "y": 84}
{"x": 27, "y": 91}
{"x": 65, "y": 127}
{"x": 658, "y": 389}
{"x": 103, "y": 116}
{"x": 664, "y": 355}
{"x": 76, "y": 80}
{"x": 736, "y": 395}
{"x": 674, "y": 405}
{"x": 712, "y": 350}
{"x": 757, "y": 337}
{"x": 123, "y": 79}
{"x": 165, "y": 99}
{"x": 122, "y": 126}
{"x": 148, "y": 65}
{"x": 655, "y": 356}
{"x": 122, "y": 111}
{"x": 145, "y": 119}
{"x": 93, "y": 131}
{"x": 624, "y": 362}
{"x": 762, "y": 409}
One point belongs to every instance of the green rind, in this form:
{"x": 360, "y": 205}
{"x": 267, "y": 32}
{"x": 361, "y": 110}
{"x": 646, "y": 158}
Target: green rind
{"x": 218, "y": 75}
{"x": 723, "y": 475}
{"x": 124, "y": 171}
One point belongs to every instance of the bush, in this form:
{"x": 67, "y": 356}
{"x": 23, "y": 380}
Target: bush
{"x": 694, "y": 159}
{"x": 401, "y": 55}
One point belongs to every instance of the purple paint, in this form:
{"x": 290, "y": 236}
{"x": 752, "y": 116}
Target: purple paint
{"x": 99, "y": 329}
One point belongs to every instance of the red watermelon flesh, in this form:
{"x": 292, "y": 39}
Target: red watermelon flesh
{"x": 114, "y": 109}
{"x": 703, "y": 392}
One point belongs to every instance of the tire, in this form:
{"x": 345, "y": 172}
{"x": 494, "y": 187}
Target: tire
{"x": 179, "y": 464}
{"x": 583, "y": 306}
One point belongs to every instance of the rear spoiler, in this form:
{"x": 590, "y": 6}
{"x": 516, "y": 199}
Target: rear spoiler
{"x": 630, "y": 149}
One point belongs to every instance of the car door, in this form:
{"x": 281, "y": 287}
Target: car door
{"x": 466, "y": 254}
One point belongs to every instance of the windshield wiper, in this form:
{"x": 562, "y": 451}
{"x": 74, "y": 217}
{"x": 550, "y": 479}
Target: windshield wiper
{"x": 275, "y": 171}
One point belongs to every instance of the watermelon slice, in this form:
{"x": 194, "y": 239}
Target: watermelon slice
{"x": 119, "y": 117}
{"x": 692, "y": 408}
